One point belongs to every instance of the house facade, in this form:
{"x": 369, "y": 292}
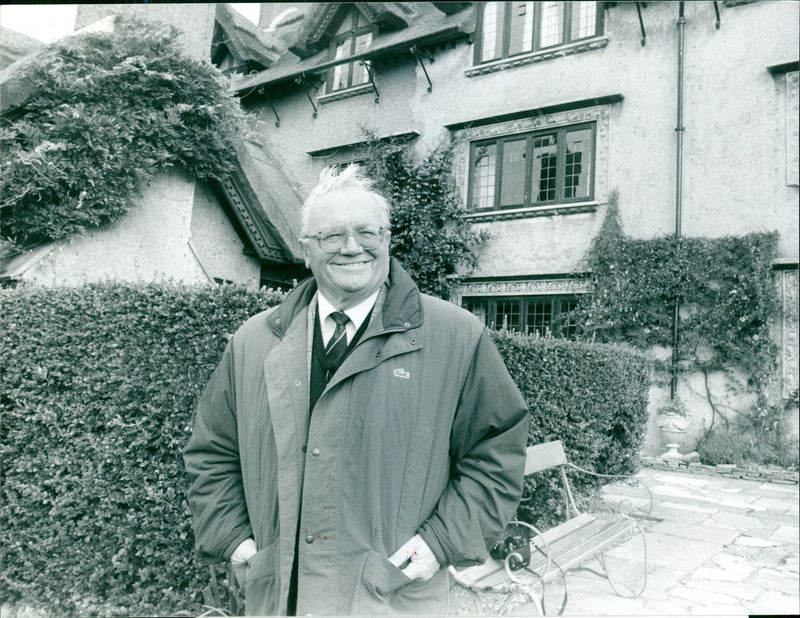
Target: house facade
{"x": 688, "y": 112}
{"x": 178, "y": 228}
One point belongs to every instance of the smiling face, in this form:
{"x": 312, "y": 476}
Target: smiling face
{"x": 352, "y": 274}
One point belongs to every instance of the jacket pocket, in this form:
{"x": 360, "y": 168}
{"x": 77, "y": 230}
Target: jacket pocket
{"x": 382, "y": 575}
{"x": 260, "y": 582}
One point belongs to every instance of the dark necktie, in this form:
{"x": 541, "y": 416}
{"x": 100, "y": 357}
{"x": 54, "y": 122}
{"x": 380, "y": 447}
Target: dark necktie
{"x": 337, "y": 346}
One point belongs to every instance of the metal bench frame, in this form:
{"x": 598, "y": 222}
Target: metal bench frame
{"x": 561, "y": 549}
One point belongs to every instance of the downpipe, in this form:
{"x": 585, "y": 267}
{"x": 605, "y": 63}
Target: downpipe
{"x": 679, "y": 130}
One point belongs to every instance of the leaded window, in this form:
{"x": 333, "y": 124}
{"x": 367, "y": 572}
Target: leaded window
{"x": 542, "y": 315}
{"x": 353, "y": 36}
{"x": 554, "y": 166}
{"x": 512, "y": 28}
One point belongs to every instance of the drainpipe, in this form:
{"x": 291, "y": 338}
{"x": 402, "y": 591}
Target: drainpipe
{"x": 679, "y": 129}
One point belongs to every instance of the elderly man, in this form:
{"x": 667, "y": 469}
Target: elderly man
{"x": 358, "y": 438}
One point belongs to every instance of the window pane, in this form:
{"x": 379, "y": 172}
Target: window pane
{"x": 540, "y": 317}
{"x": 507, "y": 315}
{"x": 341, "y": 72}
{"x": 584, "y": 19}
{"x": 483, "y": 172}
{"x": 568, "y": 323}
{"x": 478, "y": 307}
{"x": 521, "y": 27}
{"x": 578, "y": 163}
{"x": 545, "y": 151}
{"x": 491, "y": 41}
{"x": 552, "y": 28}
{"x": 360, "y": 75}
{"x": 512, "y": 188}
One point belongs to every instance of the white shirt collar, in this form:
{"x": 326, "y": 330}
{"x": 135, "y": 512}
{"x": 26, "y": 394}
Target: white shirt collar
{"x": 356, "y": 314}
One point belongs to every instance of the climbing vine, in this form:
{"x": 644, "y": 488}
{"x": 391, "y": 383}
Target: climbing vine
{"x": 723, "y": 285}
{"x": 432, "y": 242}
{"x": 108, "y": 111}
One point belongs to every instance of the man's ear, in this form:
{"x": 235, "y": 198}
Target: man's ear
{"x": 304, "y": 251}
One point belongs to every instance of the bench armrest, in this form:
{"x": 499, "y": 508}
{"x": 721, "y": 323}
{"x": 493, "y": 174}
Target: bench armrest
{"x": 629, "y": 505}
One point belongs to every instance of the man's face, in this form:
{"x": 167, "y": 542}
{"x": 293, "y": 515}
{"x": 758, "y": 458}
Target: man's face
{"x": 351, "y": 274}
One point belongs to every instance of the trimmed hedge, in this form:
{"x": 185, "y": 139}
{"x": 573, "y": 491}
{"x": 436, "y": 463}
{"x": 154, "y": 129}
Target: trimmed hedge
{"x": 592, "y": 397}
{"x": 98, "y": 386}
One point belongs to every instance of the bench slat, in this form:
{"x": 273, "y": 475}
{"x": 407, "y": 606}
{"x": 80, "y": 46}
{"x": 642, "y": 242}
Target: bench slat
{"x": 570, "y": 544}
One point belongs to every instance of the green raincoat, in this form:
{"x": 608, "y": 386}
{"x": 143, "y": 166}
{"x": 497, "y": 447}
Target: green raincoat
{"x": 421, "y": 430}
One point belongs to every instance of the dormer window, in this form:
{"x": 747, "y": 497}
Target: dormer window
{"x": 353, "y": 36}
{"x": 512, "y": 28}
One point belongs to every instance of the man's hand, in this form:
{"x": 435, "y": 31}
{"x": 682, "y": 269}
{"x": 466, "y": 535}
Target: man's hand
{"x": 239, "y": 558}
{"x": 243, "y": 552}
{"x": 423, "y": 564}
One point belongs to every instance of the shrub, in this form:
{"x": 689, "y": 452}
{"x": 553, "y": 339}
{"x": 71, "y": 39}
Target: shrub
{"x": 592, "y": 397}
{"x": 761, "y": 437}
{"x": 99, "y": 385}
{"x": 429, "y": 237}
{"x": 109, "y": 110}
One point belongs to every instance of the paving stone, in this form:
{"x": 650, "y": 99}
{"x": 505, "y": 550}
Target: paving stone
{"x": 590, "y": 603}
{"x": 664, "y": 550}
{"x": 764, "y": 557}
{"x": 771, "y": 579}
{"x": 740, "y": 505}
{"x": 660, "y": 579}
{"x": 786, "y": 534}
{"x": 696, "y": 532}
{"x": 680, "y": 480}
{"x": 739, "y": 521}
{"x": 706, "y": 597}
{"x": 779, "y": 489}
{"x": 790, "y": 565}
{"x": 771, "y": 602}
{"x": 718, "y": 610}
{"x": 671, "y": 514}
{"x": 737, "y": 590}
{"x": 781, "y": 518}
{"x": 682, "y": 506}
{"x": 751, "y": 541}
{"x": 730, "y": 573}
{"x": 664, "y": 608}
{"x": 790, "y": 507}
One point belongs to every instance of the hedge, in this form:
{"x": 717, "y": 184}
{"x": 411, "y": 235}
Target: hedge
{"x": 98, "y": 386}
{"x": 592, "y": 397}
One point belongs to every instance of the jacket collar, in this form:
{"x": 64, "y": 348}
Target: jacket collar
{"x": 401, "y": 306}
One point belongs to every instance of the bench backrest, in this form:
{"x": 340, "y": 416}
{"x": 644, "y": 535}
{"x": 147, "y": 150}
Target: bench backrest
{"x": 551, "y": 455}
{"x": 544, "y": 456}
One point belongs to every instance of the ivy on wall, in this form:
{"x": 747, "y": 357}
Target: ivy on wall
{"x": 428, "y": 236}
{"x": 108, "y": 111}
{"x": 723, "y": 285}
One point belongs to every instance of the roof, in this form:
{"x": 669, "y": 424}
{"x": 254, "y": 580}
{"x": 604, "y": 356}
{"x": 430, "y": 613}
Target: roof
{"x": 244, "y": 39}
{"x": 15, "y": 45}
{"x": 427, "y": 25}
{"x": 267, "y": 203}
{"x": 317, "y": 30}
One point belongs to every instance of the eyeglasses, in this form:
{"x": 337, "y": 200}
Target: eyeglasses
{"x": 333, "y": 239}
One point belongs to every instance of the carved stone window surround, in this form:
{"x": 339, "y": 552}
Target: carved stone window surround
{"x": 345, "y": 94}
{"x": 534, "y": 211}
{"x": 538, "y": 56}
{"x": 600, "y": 115}
{"x": 520, "y": 287}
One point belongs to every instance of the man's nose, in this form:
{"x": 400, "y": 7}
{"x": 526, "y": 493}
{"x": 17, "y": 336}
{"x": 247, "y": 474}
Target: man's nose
{"x": 351, "y": 245}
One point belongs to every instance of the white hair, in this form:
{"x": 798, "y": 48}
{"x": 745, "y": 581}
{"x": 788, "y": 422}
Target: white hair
{"x": 349, "y": 179}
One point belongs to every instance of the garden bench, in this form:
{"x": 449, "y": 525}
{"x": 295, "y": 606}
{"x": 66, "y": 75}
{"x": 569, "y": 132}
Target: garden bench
{"x": 559, "y": 550}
